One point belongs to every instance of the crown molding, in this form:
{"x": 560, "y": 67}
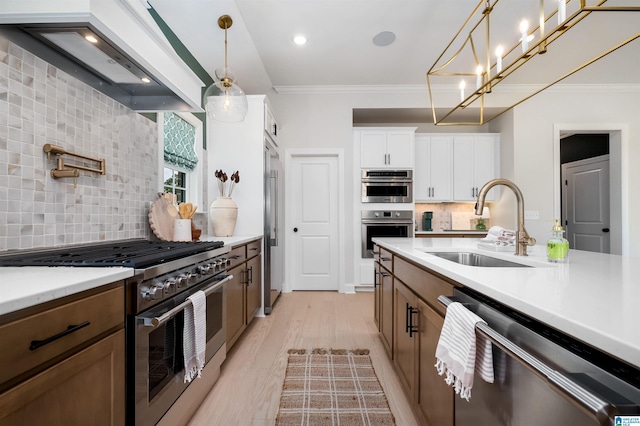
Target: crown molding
{"x": 422, "y": 89}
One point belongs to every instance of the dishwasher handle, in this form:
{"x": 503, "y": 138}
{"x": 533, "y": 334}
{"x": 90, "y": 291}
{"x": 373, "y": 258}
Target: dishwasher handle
{"x": 602, "y": 411}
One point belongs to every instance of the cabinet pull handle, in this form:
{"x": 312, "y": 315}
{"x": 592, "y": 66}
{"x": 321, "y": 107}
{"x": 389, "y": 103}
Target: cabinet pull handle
{"x": 35, "y": 344}
{"x": 384, "y": 274}
{"x": 406, "y": 319}
{"x": 250, "y": 276}
{"x": 412, "y": 328}
{"x": 254, "y": 248}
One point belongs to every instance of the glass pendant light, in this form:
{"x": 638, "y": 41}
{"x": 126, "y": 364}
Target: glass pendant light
{"x": 224, "y": 100}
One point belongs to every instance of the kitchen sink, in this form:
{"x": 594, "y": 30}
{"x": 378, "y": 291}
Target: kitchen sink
{"x": 475, "y": 259}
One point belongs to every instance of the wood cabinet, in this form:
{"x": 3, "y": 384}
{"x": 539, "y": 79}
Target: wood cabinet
{"x": 417, "y": 319}
{"x": 69, "y": 378}
{"x": 382, "y": 148}
{"x": 475, "y": 162}
{"x": 433, "y": 176}
{"x": 244, "y": 291}
{"x": 383, "y": 288}
{"x": 435, "y": 398}
{"x": 405, "y": 349}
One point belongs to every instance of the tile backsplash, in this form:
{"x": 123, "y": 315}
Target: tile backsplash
{"x": 40, "y": 104}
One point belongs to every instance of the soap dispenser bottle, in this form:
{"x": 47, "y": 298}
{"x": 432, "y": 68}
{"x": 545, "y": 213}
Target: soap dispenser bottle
{"x": 557, "y": 246}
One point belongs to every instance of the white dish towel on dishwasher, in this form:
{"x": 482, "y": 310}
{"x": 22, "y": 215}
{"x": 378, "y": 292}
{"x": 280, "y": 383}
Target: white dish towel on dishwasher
{"x": 460, "y": 352}
{"x": 194, "y": 340}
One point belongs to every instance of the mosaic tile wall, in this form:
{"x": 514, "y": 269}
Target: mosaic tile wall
{"x": 40, "y": 104}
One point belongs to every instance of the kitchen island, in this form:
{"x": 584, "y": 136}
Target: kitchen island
{"x": 593, "y": 298}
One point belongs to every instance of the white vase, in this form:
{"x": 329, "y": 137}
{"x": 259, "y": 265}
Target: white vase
{"x": 223, "y": 214}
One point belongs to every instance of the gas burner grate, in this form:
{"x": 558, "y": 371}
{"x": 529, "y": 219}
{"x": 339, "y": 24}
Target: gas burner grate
{"x": 130, "y": 254}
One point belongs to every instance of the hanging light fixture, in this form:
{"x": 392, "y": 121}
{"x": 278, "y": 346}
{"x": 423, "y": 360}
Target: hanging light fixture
{"x": 477, "y": 51}
{"x": 224, "y": 100}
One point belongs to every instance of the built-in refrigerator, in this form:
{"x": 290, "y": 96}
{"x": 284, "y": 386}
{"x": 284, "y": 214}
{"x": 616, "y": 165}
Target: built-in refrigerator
{"x": 273, "y": 250}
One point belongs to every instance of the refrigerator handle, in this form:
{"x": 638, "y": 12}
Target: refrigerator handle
{"x": 274, "y": 205}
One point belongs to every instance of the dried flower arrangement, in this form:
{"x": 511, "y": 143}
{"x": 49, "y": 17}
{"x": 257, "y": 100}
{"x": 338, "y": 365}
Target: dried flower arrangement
{"x": 226, "y": 190}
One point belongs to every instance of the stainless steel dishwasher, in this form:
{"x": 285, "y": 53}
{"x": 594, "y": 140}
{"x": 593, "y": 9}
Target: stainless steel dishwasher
{"x": 542, "y": 377}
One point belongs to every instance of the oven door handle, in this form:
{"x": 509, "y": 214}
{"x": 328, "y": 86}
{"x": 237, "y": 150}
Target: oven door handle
{"x": 575, "y": 393}
{"x": 390, "y": 222}
{"x": 156, "y": 321}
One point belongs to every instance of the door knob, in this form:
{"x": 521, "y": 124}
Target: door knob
{"x": 605, "y": 229}
{"x": 295, "y": 229}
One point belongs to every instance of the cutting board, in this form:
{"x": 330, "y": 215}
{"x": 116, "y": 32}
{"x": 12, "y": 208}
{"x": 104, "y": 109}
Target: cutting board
{"x": 160, "y": 220}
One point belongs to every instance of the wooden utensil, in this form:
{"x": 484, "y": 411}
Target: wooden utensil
{"x": 186, "y": 210}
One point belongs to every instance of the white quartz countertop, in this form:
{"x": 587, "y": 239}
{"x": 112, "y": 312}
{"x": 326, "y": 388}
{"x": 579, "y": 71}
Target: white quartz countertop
{"x": 594, "y": 297}
{"x": 26, "y": 286}
{"x": 453, "y": 232}
{"x": 233, "y": 241}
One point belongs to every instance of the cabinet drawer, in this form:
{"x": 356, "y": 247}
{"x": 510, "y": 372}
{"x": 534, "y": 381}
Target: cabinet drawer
{"x": 426, "y": 285}
{"x": 254, "y": 248}
{"x": 102, "y": 312}
{"x": 386, "y": 259}
{"x": 236, "y": 256}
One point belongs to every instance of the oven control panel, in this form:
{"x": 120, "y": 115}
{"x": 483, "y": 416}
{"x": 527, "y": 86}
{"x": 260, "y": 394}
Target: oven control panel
{"x": 152, "y": 291}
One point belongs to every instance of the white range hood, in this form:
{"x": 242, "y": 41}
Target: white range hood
{"x": 128, "y": 58}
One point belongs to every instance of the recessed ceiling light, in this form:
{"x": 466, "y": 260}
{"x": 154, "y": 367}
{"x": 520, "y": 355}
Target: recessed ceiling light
{"x": 300, "y": 40}
{"x": 385, "y": 38}
{"x": 91, "y": 38}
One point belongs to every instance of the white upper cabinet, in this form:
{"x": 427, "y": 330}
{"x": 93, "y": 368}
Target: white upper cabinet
{"x": 270, "y": 124}
{"x": 475, "y": 162}
{"x": 386, "y": 148}
{"x": 433, "y": 175}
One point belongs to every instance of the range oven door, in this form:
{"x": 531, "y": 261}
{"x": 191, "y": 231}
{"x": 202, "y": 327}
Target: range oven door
{"x": 380, "y": 229}
{"x": 158, "y": 355}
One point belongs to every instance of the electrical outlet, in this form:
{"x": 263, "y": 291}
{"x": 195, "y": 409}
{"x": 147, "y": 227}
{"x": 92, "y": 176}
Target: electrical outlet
{"x": 532, "y": 214}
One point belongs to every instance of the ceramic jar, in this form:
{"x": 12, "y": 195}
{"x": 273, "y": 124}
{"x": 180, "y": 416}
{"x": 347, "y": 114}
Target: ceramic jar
{"x": 223, "y": 214}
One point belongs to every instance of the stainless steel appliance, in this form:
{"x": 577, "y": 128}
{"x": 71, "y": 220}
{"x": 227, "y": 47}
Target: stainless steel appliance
{"x": 543, "y": 377}
{"x": 273, "y": 254}
{"x": 166, "y": 273}
{"x": 384, "y": 223}
{"x": 387, "y": 186}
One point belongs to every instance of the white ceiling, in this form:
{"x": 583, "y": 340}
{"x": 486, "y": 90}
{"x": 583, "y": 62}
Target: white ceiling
{"x": 340, "y": 50}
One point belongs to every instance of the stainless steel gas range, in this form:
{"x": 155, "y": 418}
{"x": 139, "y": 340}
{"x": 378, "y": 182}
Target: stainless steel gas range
{"x": 165, "y": 274}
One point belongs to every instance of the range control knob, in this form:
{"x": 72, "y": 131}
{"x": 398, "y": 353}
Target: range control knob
{"x": 169, "y": 286}
{"x": 182, "y": 280}
{"x": 203, "y": 269}
{"x": 397, "y": 214}
{"x": 192, "y": 277}
{"x": 376, "y": 214}
{"x": 152, "y": 293}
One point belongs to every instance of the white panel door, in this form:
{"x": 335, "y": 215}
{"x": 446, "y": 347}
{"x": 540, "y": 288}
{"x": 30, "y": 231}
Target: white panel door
{"x": 315, "y": 218}
{"x": 587, "y": 204}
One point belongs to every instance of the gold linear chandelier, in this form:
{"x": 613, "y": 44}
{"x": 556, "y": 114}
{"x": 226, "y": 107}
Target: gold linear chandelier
{"x": 492, "y": 47}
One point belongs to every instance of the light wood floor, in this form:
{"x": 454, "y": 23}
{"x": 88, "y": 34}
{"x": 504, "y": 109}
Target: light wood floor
{"x": 248, "y": 391}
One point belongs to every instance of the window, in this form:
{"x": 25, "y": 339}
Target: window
{"x": 175, "y": 182}
{"x": 180, "y": 159}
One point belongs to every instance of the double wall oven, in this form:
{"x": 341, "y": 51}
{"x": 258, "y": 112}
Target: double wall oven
{"x": 165, "y": 274}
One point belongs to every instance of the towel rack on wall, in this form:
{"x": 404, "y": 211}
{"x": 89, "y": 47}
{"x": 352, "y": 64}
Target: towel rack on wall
{"x": 66, "y": 170}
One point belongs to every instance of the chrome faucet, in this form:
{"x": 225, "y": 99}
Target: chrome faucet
{"x": 522, "y": 236}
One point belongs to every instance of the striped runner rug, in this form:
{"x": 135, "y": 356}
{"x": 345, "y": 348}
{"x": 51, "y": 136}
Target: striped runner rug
{"x": 332, "y": 387}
